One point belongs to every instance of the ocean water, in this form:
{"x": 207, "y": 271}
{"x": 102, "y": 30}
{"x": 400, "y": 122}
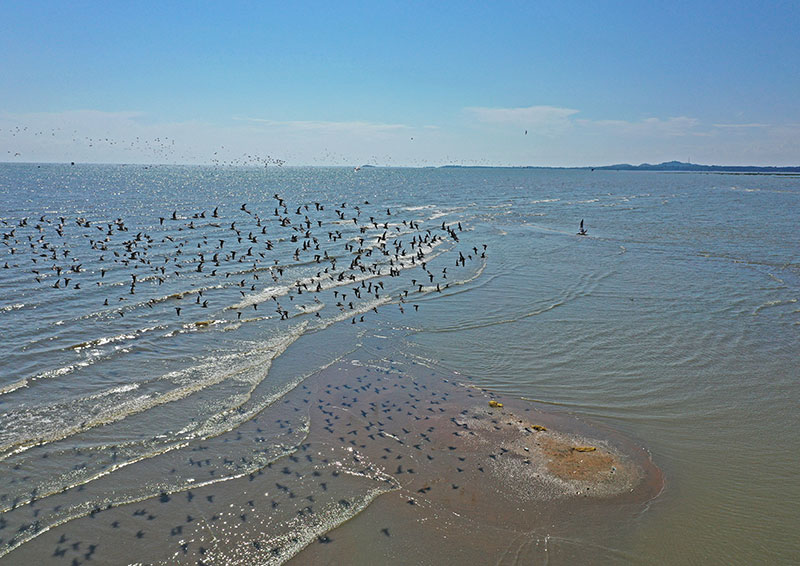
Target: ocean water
{"x": 199, "y": 299}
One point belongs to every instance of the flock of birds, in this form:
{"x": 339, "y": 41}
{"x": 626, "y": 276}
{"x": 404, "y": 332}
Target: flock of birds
{"x": 278, "y": 254}
{"x": 28, "y": 143}
{"x": 157, "y": 148}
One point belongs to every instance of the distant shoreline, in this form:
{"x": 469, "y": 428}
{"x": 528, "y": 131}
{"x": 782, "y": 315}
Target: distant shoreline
{"x": 667, "y": 167}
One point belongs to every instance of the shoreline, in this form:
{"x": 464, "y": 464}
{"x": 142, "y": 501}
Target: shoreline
{"x": 393, "y": 453}
{"x": 494, "y": 478}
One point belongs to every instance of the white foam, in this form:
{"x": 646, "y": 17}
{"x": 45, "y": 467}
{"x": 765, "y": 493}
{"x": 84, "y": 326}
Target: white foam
{"x": 309, "y": 309}
{"x": 775, "y": 303}
{"x": 213, "y": 372}
{"x": 266, "y": 294}
{"x": 8, "y": 388}
{"x": 111, "y": 339}
{"x": 415, "y": 208}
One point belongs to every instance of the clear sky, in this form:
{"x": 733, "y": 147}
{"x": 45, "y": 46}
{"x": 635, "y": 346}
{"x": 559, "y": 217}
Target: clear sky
{"x": 400, "y": 83}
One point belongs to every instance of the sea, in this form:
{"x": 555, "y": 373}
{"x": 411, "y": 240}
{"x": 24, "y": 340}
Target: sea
{"x": 159, "y": 324}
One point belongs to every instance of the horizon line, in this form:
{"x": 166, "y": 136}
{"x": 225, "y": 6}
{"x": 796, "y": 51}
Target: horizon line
{"x": 386, "y": 166}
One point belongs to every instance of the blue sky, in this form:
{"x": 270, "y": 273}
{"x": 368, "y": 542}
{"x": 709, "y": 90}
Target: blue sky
{"x": 400, "y": 83}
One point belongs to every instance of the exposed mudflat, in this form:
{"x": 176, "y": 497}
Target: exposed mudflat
{"x": 382, "y": 459}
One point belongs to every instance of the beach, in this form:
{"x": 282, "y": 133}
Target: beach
{"x": 378, "y": 453}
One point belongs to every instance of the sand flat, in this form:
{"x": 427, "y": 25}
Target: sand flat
{"x": 387, "y": 459}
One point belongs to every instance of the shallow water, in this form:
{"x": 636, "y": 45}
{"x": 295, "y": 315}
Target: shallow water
{"x": 675, "y": 321}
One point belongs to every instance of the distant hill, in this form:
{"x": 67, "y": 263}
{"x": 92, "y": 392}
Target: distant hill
{"x": 680, "y": 166}
{"x": 666, "y": 166}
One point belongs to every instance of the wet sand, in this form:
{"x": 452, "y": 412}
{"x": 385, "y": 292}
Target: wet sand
{"x": 370, "y": 462}
{"x": 483, "y": 484}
